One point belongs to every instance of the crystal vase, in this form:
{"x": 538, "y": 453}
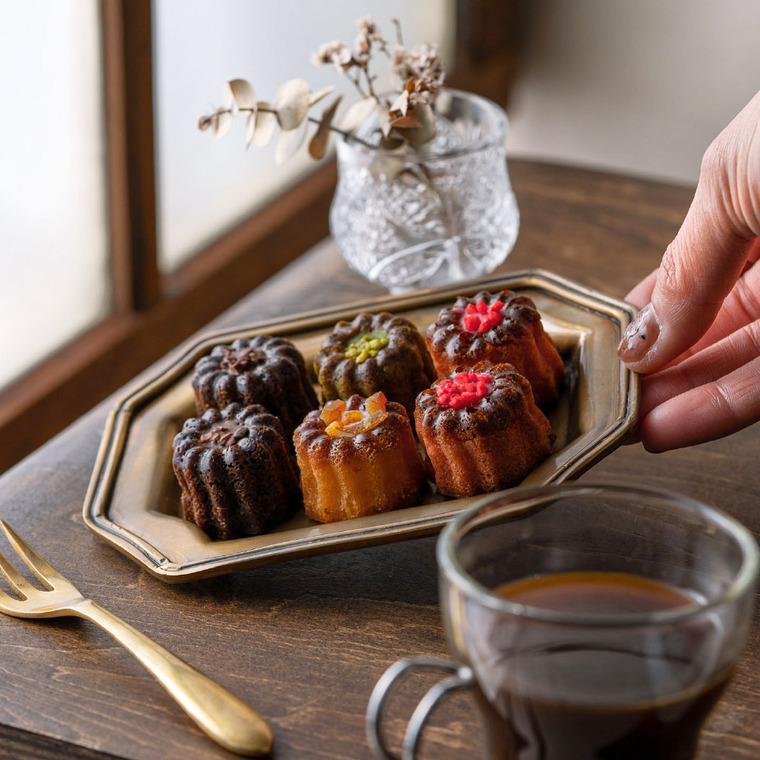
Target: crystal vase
{"x": 441, "y": 213}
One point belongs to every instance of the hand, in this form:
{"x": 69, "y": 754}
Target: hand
{"x": 697, "y": 336}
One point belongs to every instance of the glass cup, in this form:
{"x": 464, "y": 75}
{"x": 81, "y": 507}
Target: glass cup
{"x": 593, "y": 622}
{"x": 439, "y": 214}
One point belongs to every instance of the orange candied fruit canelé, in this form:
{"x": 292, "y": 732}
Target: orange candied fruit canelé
{"x": 357, "y": 458}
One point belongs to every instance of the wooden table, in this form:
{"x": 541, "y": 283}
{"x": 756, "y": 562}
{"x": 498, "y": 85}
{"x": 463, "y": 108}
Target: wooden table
{"x": 304, "y": 641}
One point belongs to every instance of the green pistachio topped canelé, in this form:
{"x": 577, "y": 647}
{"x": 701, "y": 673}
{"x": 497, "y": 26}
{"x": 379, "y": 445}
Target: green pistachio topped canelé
{"x": 374, "y": 352}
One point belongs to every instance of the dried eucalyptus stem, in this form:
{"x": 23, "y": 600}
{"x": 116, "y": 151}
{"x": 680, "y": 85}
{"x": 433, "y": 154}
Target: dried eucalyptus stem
{"x": 207, "y": 121}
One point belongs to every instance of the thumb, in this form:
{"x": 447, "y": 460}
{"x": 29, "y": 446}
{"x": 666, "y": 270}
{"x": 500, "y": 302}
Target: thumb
{"x": 703, "y": 263}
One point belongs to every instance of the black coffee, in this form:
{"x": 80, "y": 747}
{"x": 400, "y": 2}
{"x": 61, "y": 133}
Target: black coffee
{"x": 525, "y": 720}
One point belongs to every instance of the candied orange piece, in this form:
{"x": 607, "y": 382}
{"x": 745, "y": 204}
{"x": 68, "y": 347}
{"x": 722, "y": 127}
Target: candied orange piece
{"x": 374, "y": 419}
{"x": 342, "y": 423}
{"x": 354, "y": 428}
{"x": 336, "y": 431}
{"x": 375, "y": 402}
{"x": 332, "y": 411}
{"x": 348, "y": 418}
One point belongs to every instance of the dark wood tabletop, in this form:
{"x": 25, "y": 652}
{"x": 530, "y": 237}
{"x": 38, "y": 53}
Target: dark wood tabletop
{"x": 304, "y": 641}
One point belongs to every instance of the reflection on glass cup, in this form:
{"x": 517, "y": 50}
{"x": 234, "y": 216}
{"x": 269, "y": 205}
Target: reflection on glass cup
{"x": 592, "y": 622}
{"x": 440, "y": 214}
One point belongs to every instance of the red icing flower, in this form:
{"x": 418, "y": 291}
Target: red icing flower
{"x": 480, "y": 317}
{"x": 464, "y": 389}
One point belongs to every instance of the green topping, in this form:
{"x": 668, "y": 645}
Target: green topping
{"x": 366, "y": 345}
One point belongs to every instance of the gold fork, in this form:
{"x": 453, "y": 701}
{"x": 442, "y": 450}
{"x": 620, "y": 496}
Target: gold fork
{"x": 223, "y": 716}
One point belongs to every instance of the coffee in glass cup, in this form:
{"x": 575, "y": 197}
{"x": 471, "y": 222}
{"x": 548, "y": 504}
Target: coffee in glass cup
{"x": 592, "y": 622}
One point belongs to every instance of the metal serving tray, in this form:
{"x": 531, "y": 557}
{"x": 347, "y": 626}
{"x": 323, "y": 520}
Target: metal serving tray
{"x": 133, "y": 501}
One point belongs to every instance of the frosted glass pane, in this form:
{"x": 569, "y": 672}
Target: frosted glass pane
{"x": 206, "y": 185}
{"x": 52, "y": 213}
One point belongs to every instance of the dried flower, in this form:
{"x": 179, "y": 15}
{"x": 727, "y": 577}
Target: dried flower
{"x": 423, "y": 67}
{"x": 368, "y": 34}
{"x": 407, "y": 120}
{"x": 368, "y": 29}
{"x": 334, "y": 52}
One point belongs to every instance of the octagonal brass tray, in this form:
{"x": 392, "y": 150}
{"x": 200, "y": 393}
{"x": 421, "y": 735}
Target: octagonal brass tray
{"x": 133, "y": 501}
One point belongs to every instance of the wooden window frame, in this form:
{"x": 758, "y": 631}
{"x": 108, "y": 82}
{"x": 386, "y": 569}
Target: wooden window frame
{"x": 151, "y": 313}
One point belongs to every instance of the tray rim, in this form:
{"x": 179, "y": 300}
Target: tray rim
{"x": 138, "y": 394}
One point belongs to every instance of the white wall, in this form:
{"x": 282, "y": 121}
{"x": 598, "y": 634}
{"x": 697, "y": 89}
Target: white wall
{"x": 637, "y": 86}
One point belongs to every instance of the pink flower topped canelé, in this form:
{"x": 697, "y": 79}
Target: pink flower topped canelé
{"x": 464, "y": 389}
{"x": 482, "y": 317}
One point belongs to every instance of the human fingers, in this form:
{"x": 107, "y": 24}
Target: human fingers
{"x": 754, "y": 254}
{"x": 705, "y": 413}
{"x": 707, "y": 256}
{"x": 687, "y": 296}
{"x": 740, "y": 308}
{"x": 708, "y": 366}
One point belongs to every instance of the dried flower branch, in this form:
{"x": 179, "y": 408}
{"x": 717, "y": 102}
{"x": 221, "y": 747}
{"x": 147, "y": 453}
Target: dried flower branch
{"x": 408, "y": 120}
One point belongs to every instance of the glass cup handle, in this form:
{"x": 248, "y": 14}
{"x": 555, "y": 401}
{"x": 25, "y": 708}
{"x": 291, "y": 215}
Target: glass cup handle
{"x": 460, "y": 678}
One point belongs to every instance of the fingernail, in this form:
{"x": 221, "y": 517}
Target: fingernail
{"x": 640, "y": 336}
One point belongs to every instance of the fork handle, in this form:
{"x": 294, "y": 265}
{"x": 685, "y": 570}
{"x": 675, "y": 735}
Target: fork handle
{"x": 219, "y": 713}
